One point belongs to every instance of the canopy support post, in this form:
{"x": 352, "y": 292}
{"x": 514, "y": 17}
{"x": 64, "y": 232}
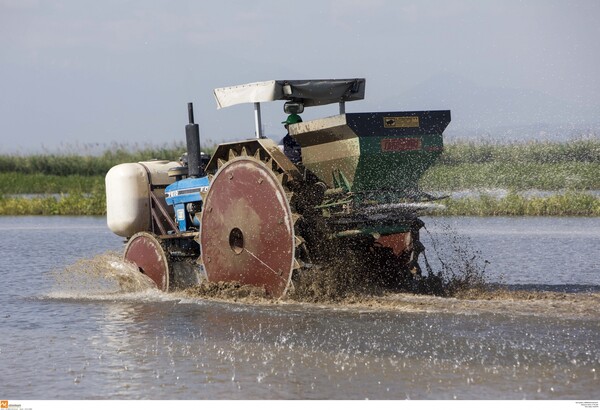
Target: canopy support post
{"x": 342, "y": 107}
{"x": 257, "y": 120}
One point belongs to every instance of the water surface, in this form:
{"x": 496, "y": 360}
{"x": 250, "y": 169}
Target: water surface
{"x": 78, "y": 338}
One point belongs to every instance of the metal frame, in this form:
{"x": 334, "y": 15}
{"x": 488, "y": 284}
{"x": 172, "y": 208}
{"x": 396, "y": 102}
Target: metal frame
{"x": 257, "y": 120}
{"x": 156, "y": 204}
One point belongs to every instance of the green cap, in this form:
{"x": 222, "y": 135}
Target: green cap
{"x": 292, "y": 119}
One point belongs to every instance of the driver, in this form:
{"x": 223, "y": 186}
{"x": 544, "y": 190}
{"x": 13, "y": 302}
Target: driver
{"x": 291, "y": 148}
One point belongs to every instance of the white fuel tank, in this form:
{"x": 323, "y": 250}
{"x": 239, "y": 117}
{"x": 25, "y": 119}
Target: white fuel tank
{"x": 128, "y": 194}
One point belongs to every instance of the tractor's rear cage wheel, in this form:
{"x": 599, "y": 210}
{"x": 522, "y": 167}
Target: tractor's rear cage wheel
{"x": 248, "y": 218}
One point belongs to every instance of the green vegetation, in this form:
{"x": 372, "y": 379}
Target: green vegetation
{"x": 513, "y": 176}
{"x": 513, "y": 204}
{"x": 584, "y": 150}
{"x": 73, "y": 184}
{"x": 85, "y": 165}
{"x": 13, "y": 183}
{"x": 75, "y": 203}
{"x": 77, "y": 179}
{"x": 573, "y": 166}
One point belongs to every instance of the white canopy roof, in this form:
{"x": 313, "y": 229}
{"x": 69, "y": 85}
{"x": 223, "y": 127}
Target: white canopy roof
{"x": 310, "y": 92}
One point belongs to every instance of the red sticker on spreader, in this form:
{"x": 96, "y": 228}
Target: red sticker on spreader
{"x": 400, "y": 144}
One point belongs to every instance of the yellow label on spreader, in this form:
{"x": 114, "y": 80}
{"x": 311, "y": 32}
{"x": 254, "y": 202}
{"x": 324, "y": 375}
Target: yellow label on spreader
{"x": 401, "y": 122}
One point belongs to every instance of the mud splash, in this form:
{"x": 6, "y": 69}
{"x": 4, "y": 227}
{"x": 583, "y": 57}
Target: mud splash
{"x": 467, "y": 302}
{"x": 458, "y": 266}
{"x": 457, "y": 260}
{"x": 505, "y": 302}
{"x": 499, "y": 300}
{"x": 105, "y": 273}
{"x": 232, "y": 291}
{"x": 456, "y": 281}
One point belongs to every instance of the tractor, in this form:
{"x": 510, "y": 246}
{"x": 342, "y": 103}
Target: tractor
{"x": 252, "y": 215}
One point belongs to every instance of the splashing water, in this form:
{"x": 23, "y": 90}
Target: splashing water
{"x": 459, "y": 264}
{"x": 102, "y": 274}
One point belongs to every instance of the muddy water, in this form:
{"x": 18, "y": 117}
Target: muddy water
{"x": 95, "y": 330}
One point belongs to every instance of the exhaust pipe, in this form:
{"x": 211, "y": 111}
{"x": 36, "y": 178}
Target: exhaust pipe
{"x": 192, "y": 137}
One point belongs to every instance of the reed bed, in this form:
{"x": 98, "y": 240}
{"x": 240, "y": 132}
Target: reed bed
{"x": 550, "y": 166}
{"x": 513, "y": 176}
{"x": 514, "y": 204}
{"x": 85, "y": 165}
{"x": 14, "y": 183}
{"x": 538, "y": 152}
{"x": 76, "y": 203}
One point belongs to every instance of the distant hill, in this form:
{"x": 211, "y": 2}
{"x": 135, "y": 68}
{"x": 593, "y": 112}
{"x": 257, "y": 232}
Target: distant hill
{"x": 504, "y": 113}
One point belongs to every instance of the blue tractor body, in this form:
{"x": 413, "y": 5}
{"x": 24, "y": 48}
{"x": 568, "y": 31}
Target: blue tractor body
{"x": 185, "y": 196}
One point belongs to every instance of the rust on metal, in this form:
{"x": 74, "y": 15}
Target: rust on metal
{"x": 146, "y": 253}
{"x": 157, "y": 223}
{"x": 249, "y": 235}
{"x": 261, "y": 149}
{"x": 399, "y": 242}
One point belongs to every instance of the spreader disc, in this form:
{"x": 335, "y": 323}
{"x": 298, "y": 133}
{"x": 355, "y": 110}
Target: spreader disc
{"x": 247, "y": 229}
{"x": 145, "y": 251}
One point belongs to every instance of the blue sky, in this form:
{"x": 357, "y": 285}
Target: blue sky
{"x": 77, "y": 74}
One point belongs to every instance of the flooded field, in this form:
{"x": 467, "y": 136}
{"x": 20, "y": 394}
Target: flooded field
{"x": 94, "y": 329}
